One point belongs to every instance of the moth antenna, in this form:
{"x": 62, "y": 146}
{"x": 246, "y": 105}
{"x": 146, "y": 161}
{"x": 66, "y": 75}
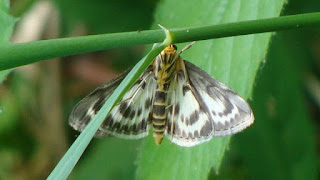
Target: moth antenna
{"x": 185, "y": 48}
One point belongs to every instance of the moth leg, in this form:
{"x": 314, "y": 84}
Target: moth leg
{"x": 173, "y": 107}
{"x": 169, "y": 106}
{"x": 185, "y": 72}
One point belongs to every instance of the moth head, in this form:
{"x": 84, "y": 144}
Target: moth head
{"x": 168, "y": 55}
{"x": 172, "y": 54}
{"x": 170, "y": 50}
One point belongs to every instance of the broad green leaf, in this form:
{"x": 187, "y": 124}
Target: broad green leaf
{"x": 283, "y": 138}
{"x": 6, "y": 28}
{"x": 233, "y": 61}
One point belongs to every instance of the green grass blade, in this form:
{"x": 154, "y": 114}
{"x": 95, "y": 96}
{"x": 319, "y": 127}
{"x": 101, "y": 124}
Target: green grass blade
{"x": 233, "y": 61}
{"x": 69, "y": 160}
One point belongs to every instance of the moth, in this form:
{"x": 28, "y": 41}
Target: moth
{"x": 175, "y": 98}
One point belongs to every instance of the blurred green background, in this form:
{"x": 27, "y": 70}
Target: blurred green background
{"x": 35, "y": 100}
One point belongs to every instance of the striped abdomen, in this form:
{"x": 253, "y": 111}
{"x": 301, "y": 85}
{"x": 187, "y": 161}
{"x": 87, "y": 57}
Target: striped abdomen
{"x": 159, "y": 115}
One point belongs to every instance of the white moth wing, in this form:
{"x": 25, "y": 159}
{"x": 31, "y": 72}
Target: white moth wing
{"x": 87, "y": 108}
{"x": 201, "y": 107}
{"x": 129, "y": 119}
{"x": 229, "y": 112}
{"x": 191, "y": 124}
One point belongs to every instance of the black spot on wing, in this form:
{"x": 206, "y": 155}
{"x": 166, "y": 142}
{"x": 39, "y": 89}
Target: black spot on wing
{"x": 142, "y": 125}
{"x": 206, "y": 129}
{"x": 194, "y": 117}
{"x": 123, "y": 107}
{"x": 135, "y": 128}
{"x": 219, "y": 126}
{"x": 177, "y": 130}
{"x": 196, "y": 134}
{"x": 108, "y": 121}
{"x": 139, "y": 112}
{"x": 227, "y": 125}
{"x": 139, "y": 81}
{"x": 228, "y": 107}
{"x": 233, "y": 122}
{"x": 143, "y": 85}
{"x": 177, "y": 108}
{"x": 116, "y": 126}
{"x": 97, "y": 105}
{"x": 148, "y": 103}
{"x": 182, "y": 118}
{"x": 184, "y": 134}
{"x": 125, "y": 129}
{"x": 185, "y": 89}
{"x": 181, "y": 75}
{"x": 149, "y": 120}
{"x": 126, "y": 114}
{"x": 132, "y": 114}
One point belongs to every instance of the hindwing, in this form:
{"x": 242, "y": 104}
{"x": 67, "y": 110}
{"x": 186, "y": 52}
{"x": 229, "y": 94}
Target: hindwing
{"x": 202, "y": 107}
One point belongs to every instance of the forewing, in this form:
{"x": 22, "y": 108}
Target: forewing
{"x": 191, "y": 124}
{"x": 202, "y": 107}
{"x": 87, "y": 108}
{"x": 228, "y": 112}
{"x": 128, "y": 119}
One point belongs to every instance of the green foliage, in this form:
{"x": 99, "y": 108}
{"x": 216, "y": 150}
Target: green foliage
{"x": 283, "y": 136}
{"x": 99, "y": 16}
{"x": 280, "y": 145}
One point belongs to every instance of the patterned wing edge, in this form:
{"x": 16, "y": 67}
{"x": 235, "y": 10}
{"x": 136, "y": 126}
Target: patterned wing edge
{"x": 87, "y": 108}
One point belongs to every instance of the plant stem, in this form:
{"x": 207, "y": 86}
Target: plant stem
{"x": 14, "y": 55}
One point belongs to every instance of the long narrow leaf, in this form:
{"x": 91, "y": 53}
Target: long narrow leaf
{"x": 69, "y": 160}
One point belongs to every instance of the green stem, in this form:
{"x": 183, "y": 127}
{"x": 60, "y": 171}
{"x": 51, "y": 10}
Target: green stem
{"x": 14, "y": 55}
